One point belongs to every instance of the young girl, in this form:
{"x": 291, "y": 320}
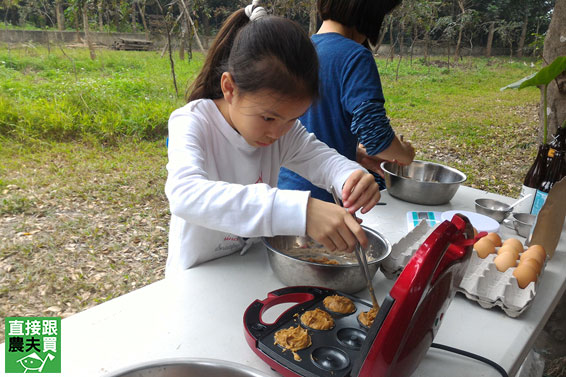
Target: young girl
{"x": 239, "y": 127}
{"x": 351, "y": 111}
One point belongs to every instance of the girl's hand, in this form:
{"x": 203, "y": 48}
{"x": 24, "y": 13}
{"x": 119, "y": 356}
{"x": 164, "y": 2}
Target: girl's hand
{"x": 360, "y": 191}
{"x": 408, "y": 154}
{"x": 372, "y": 163}
{"x": 332, "y": 226}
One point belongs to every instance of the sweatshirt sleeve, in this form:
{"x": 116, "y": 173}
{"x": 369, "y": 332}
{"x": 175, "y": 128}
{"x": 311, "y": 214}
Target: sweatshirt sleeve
{"x": 309, "y": 157}
{"x": 251, "y": 210}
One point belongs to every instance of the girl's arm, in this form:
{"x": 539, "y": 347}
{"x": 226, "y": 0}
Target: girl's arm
{"x": 312, "y": 159}
{"x": 246, "y": 210}
{"x": 371, "y": 125}
{"x": 328, "y": 223}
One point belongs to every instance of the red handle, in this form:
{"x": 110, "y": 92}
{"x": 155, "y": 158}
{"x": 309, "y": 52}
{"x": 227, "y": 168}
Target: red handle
{"x": 273, "y": 300}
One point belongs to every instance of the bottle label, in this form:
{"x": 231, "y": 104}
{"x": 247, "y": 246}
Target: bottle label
{"x": 526, "y": 205}
{"x": 540, "y": 198}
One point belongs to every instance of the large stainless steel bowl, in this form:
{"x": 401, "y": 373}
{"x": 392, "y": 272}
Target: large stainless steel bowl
{"x": 347, "y": 276}
{"x": 184, "y": 367}
{"x": 422, "y": 182}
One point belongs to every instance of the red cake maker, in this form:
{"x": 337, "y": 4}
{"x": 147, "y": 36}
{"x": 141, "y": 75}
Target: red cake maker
{"x": 400, "y": 335}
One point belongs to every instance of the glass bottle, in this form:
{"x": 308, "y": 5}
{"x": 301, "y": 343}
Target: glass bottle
{"x": 554, "y": 174}
{"x": 558, "y": 143}
{"x": 532, "y": 180}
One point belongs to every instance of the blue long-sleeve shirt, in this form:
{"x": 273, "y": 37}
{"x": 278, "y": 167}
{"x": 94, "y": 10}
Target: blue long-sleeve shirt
{"x": 350, "y": 109}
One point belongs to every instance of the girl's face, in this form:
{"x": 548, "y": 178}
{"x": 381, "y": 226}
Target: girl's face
{"x": 261, "y": 117}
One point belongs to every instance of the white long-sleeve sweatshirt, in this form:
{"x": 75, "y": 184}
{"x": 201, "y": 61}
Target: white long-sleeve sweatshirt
{"x": 220, "y": 188}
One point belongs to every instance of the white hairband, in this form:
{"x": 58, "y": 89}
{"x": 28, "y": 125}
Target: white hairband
{"x": 254, "y": 11}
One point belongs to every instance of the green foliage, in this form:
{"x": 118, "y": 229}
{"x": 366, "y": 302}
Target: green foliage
{"x": 546, "y": 74}
{"x": 461, "y": 104}
{"x": 542, "y": 78}
{"x": 58, "y": 97}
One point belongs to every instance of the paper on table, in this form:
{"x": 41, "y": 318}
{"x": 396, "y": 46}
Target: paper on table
{"x": 550, "y": 220}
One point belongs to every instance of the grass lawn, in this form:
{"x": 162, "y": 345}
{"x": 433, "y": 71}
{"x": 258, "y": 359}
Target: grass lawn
{"x": 83, "y": 216}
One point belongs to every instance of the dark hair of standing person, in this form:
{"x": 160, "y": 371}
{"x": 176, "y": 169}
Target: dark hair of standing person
{"x": 270, "y": 53}
{"x": 364, "y": 15}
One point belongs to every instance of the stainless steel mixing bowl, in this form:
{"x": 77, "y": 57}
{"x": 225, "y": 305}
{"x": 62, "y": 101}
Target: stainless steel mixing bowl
{"x": 495, "y": 209}
{"x": 183, "y": 367}
{"x": 422, "y": 182}
{"x": 523, "y": 222}
{"x": 347, "y": 277}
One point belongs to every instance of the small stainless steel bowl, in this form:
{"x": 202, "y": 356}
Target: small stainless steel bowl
{"x": 176, "y": 367}
{"x": 346, "y": 277}
{"x": 493, "y": 208}
{"x": 422, "y": 182}
{"x": 523, "y": 222}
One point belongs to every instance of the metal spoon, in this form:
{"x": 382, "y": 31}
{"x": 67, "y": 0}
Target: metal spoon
{"x": 520, "y": 200}
{"x": 362, "y": 260}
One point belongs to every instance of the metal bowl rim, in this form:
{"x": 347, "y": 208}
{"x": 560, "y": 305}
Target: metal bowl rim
{"x": 509, "y": 208}
{"x": 170, "y": 361}
{"x": 449, "y": 168}
{"x": 528, "y": 215}
{"x": 379, "y": 235}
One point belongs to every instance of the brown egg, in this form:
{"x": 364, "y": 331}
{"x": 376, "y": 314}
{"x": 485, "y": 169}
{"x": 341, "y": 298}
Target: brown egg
{"x": 508, "y": 249}
{"x": 535, "y": 251}
{"x": 484, "y": 247}
{"x": 531, "y": 262}
{"x": 524, "y": 275}
{"x": 514, "y": 243}
{"x": 504, "y": 261}
{"x": 494, "y": 237}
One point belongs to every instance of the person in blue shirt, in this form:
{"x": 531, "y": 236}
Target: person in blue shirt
{"x": 350, "y": 114}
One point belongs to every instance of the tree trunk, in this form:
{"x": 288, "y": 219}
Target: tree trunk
{"x": 426, "y": 45}
{"x": 458, "y": 43}
{"x": 142, "y": 15}
{"x": 100, "y": 9}
{"x": 381, "y": 36}
{"x": 490, "y": 39}
{"x": 8, "y": 6}
{"x": 134, "y": 23}
{"x": 87, "y": 32}
{"x": 182, "y": 41}
{"x": 402, "y": 38}
{"x": 461, "y": 31}
{"x": 523, "y": 35}
{"x": 554, "y": 46}
{"x": 192, "y": 24}
{"x": 77, "y": 25}
{"x": 116, "y": 17}
{"x": 414, "y": 40}
{"x": 59, "y": 15}
{"x": 391, "y": 40}
{"x": 312, "y": 17}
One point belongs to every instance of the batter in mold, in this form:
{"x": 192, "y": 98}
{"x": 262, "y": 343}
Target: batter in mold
{"x": 317, "y": 319}
{"x": 293, "y": 339}
{"x": 339, "y": 304}
{"x": 367, "y": 318}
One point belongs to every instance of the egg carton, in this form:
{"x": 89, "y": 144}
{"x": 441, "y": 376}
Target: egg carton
{"x": 482, "y": 281}
{"x": 403, "y": 250}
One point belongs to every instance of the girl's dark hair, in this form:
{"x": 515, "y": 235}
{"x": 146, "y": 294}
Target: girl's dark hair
{"x": 365, "y": 15}
{"x": 271, "y": 53}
